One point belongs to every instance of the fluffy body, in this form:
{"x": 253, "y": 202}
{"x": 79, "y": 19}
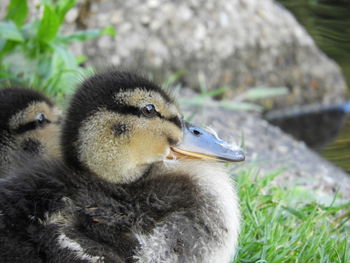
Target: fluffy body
{"x": 54, "y": 214}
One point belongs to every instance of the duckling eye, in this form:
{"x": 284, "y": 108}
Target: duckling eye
{"x": 149, "y": 111}
{"x": 41, "y": 120}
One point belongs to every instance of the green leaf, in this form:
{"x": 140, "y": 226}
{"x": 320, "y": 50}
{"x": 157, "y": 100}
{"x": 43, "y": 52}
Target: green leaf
{"x": 109, "y": 30}
{"x": 9, "y": 31}
{"x": 215, "y": 92}
{"x": 44, "y": 67}
{"x": 7, "y": 46}
{"x": 63, "y": 54}
{"x": 229, "y": 105}
{"x": 17, "y": 11}
{"x": 170, "y": 81}
{"x": 294, "y": 212}
{"x": 264, "y": 92}
{"x": 81, "y": 59}
{"x": 49, "y": 25}
{"x": 47, "y": 2}
{"x": 81, "y": 36}
{"x": 2, "y": 43}
{"x": 30, "y": 30}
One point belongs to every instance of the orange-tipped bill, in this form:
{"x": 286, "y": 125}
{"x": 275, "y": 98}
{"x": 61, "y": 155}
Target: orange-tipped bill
{"x": 198, "y": 143}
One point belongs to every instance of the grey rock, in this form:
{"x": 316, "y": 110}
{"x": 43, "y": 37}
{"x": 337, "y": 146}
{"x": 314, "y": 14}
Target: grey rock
{"x": 240, "y": 43}
{"x": 72, "y": 15}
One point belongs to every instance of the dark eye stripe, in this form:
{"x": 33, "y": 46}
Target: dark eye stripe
{"x": 25, "y": 127}
{"x": 28, "y": 127}
{"x": 127, "y": 109}
{"x": 176, "y": 120}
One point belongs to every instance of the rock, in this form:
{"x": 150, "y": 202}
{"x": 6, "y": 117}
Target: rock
{"x": 240, "y": 43}
{"x": 269, "y": 149}
{"x": 72, "y": 15}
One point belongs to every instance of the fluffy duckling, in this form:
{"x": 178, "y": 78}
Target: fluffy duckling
{"x": 28, "y": 125}
{"x": 119, "y": 195}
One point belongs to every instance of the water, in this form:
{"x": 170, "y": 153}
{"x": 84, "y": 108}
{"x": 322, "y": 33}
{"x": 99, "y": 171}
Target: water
{"x": 328, "y": 22}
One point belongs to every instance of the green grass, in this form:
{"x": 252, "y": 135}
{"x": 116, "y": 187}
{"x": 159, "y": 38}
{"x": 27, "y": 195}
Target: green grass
{"x": 290, "y": 225}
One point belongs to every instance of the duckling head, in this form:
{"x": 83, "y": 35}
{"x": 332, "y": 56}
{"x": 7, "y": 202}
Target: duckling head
{"x": 29, "y": 123}
{"x": 119, "y": 124}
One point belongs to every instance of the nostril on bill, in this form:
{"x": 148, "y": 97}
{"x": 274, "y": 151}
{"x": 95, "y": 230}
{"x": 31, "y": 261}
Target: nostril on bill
{"x": 196, "y": 132}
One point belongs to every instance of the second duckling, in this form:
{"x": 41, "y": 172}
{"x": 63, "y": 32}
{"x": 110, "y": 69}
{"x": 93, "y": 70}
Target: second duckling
{"x": 29, "y": 125}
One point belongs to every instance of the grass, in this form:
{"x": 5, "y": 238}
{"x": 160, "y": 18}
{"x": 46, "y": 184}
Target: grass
{"x": 289, "y": 225}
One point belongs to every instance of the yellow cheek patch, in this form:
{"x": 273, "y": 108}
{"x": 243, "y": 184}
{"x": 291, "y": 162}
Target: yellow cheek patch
{"x": 145, "y": 148}
{"x": 150, "y": 141}
{"x": 105, "y": 153}
{"x": 118, "y": 157}
{"x": 48, "y": 136}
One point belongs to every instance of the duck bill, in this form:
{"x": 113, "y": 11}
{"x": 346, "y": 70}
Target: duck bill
{"x": 199, "y": 143}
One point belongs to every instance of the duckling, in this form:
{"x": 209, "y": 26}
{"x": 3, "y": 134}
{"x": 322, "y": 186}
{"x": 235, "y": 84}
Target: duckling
{"x": 136, "y": 183}
{"x": 28, "y": 125}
